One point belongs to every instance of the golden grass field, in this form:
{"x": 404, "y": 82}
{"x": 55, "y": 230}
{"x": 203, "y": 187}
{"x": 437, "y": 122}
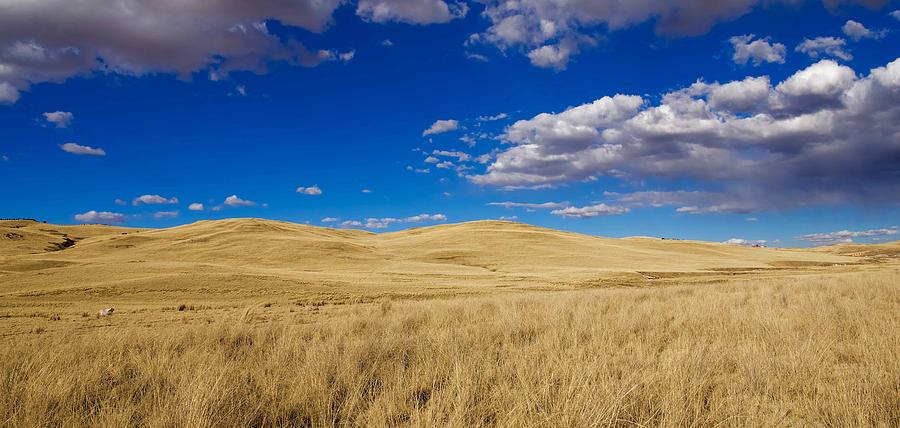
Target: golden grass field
{"x": 248, "y": 322}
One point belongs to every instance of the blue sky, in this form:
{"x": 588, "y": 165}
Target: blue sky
{"x": 264, "y": 103}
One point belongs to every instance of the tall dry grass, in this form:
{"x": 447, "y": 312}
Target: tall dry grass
{"x": 816, "y": 351}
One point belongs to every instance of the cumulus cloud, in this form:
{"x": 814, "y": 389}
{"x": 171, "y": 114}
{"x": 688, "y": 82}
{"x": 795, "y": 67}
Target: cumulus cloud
{"x": 441, "y": 126}
{"x": 311, "y": 190}
{"x": 153, "y": 199}
{"x": 61, "y": 119}
{"x": 235, "y": 201}
{"x": 382, "y": 223}
{"x": 551, "y": 32}
{"x": 165, "y": 214}
{"x": 8, "y": 93}
{"x": 196, "y": 206}
{"x": 553, "y": 56}
{"x": 445, "y": 165}
{"x": 100, "y": 217}
{"x": 756, "y": 51}
{"x": 589, "y": 211}
{"x": 846, "y": 236}
{"x": 856, "y": 31}
{"x": 461, "y": 156}
{"x": 82, "y": 150}
{"x": 52, "y": 40}
{"x": 543, "y": 205}
{"x": 411, "y": 11}
{"x": 825, "y": 46}
{"x": 746, "y": 242}
{"x": 824, "y": 135}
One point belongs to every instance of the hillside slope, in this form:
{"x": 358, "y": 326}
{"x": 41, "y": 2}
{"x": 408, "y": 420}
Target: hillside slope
{"x": 237, "y": 258}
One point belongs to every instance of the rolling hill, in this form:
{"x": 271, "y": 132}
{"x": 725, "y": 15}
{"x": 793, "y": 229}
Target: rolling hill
{"x": 254, "y": 257}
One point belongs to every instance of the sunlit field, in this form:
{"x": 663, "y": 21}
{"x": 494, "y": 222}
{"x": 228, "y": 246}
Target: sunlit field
{"x": 806, "y": 351}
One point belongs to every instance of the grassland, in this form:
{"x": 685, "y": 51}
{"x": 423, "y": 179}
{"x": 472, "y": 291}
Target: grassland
{"x": 280, "y": 324}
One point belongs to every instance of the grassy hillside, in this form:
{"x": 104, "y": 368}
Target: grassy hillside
{"x": 253, "y": 322}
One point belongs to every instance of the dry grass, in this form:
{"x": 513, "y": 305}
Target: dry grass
{"x": 820, "y": 351}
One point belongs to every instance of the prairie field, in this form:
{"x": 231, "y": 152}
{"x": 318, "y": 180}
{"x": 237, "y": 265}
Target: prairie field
{"x": 306, "y": 326}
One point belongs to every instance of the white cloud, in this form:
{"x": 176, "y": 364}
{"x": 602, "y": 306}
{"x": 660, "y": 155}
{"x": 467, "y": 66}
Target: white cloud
{"x": 553, "y": 56}
{"x": 756, "y": 51}
{"x": 62, "y": 119}
{"x": 468, "y": 139}
{"x": 845, "y": 236}
{"x": 82, "y": 150}
{"x": 544, "y": 205}
{"x": 196, "y": 206}
{"x": 895, "y": 14}
{"x": 751, "y": 219}
{"x": 509, "y": 218}
{"x": 748, "y": 95}
{"x": 498, "y": 116}
{"x": 100, "y": 217}
{"x": 470, "y": 55}
{"x": 411, "y": 11}
{"x": 824, "y": 135}
{"x": 347, "y": 56}
{"x": 441, "y": 126}
{"x": 819, "y": 85}
{"x": 366, "y": 190}
{"x": 462, "y": 157}
{"x": 432, "y": 159}
{"x": 387, "y": 42}
{"x": 590, "y": 211}
{"x": 528, "y": 26}
{"x": 382, "y": 223}
{"x": 746, "y": 242}
{"x": 856, "y": 31}
{"x": 8, "y": 93}
{"x": 120, "y": 202}
{"x": 825, "y": 46}
{"x": 165, "y": 214}
{"x": 241, "y": 90}
{"x": 235, "y": 201}
{"x": 4, "y": 158}
{"x": 153, "y": 199}
{"x": 329, "y": 220}
{"x": 485, "y": 158}
{"x": 311, "y": 190}
{"x": 418, "y": 170}
{"x": 53, "y": 40}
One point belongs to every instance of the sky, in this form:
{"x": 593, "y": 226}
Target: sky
{"x": 750, "y": 122}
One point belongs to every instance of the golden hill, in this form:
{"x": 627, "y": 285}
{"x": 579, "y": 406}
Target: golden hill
{"x": 255, "y": 322}
{"x": 240, "y": 257}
